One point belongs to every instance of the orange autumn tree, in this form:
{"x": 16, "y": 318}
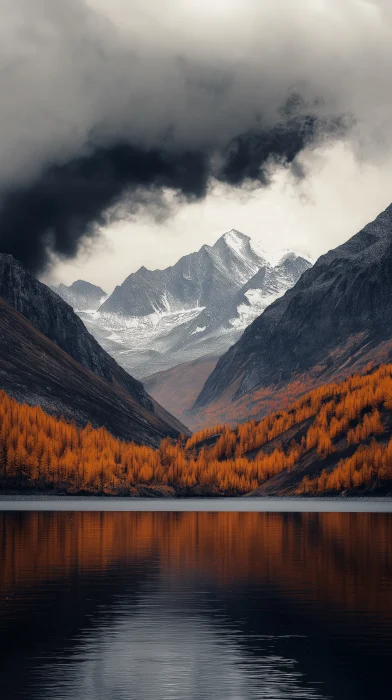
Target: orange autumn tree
{"x": 43, "y": 451}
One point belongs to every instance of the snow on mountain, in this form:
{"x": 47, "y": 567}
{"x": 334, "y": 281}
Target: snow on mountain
{"x": 157, "y": 319}
{"x": 142, "y": 342}
{"x": 266, "y": 286}
{"x": 276, "y": 257}
{"x": 256, "y": 302}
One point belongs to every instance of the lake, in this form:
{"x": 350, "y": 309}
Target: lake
{"x": 189, "y": 605}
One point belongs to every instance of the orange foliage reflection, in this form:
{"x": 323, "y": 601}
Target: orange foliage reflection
{"x": 323, "y": 556}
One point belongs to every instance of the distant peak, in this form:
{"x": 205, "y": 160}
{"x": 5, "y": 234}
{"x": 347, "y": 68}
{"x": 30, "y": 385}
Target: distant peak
{"x": 83, "y": 286}
{"x": 287, "y": 255}
{"x": 278, "y": 257}
{"x": 7, "y": 257}
{"x": 233, "y": 236}
{"x": 235, "y": 240}
{"x": 236, "y": 232}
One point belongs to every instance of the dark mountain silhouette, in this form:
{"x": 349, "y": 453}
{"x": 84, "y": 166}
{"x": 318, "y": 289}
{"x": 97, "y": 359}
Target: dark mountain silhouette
{"x": 49, "y": 358}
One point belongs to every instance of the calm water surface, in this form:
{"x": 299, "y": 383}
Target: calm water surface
{"x": 195, "y": 605}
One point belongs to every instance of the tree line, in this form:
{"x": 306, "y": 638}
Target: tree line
{"x": 352, "y": 416}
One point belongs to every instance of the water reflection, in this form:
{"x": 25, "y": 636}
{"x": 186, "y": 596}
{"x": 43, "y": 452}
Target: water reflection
{"x": 170, "y": 655}
{"x": 195, "y": 605}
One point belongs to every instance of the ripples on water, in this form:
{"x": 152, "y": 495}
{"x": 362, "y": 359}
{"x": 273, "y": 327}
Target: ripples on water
{"x": 188, "y": 606}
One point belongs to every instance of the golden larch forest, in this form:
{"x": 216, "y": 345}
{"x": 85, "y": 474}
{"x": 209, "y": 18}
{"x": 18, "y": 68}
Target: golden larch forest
{"x": 334, "y": 438}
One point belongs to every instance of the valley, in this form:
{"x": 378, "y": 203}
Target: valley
{"x": 300, "y": 403}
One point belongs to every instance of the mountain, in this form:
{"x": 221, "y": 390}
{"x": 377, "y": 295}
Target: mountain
{"x": 197, "y": 280}
{"x": 48, "y": 357}
{"x": 57, "y": 320}
{"x": 216, "y": 329}
{"x": 336, "y": 317}
{"x": 266, "y": 285}
{"x": 159, "y": 319}
{"x": 81, "y": 295}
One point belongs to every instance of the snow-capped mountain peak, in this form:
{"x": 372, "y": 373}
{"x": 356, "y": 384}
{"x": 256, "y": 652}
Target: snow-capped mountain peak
{"x": 286, "y": 255}
{"x": 236, "y": 240}
{"x": 278, "y": 257}
{"x": 199, "y": 305}
{"x": 203, "y": 278}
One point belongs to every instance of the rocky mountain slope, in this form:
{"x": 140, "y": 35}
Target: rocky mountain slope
{"x": 48, "y": 357}
{"x": 81, "y": 295}
{"x": 336, "y": 317}
{"x": 266, "y": 285}
{"x": 159, "y": 319}
{"x": 57, "y": 320}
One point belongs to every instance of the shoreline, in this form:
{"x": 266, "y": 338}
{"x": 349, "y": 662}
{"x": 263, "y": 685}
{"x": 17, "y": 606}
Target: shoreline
{"x": 273, "y": 504}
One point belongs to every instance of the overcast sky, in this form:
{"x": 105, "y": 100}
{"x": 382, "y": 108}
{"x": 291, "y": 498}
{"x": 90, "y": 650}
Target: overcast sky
{"x": 134, "y": 131}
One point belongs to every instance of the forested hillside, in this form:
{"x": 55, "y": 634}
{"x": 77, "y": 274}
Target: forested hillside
{"x": 333, "y": 439}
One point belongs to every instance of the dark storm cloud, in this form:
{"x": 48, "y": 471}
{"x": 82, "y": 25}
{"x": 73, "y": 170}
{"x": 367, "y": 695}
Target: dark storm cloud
{"x": 96, "y": 113}
{"x": 66, "y": 203}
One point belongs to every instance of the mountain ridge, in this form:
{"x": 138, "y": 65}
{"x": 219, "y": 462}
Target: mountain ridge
{"x": 36, "y": 371}
{"x": 195, "y": 280}
{"x": 58, "y": 341}
{"x": 56, "y": 319}
{"x": 343, "y": 300}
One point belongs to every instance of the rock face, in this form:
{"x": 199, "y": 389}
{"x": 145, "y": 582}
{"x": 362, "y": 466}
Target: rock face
{"x": 269, "y": 283}
{"x": 47, "y": 313}
{"x": 57, "y": 320}
{"x": 159, "y": 319}
{"x": 338, "y": 312}
{"x": 36, "y": 371}
{"x": 81, "y": 295}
